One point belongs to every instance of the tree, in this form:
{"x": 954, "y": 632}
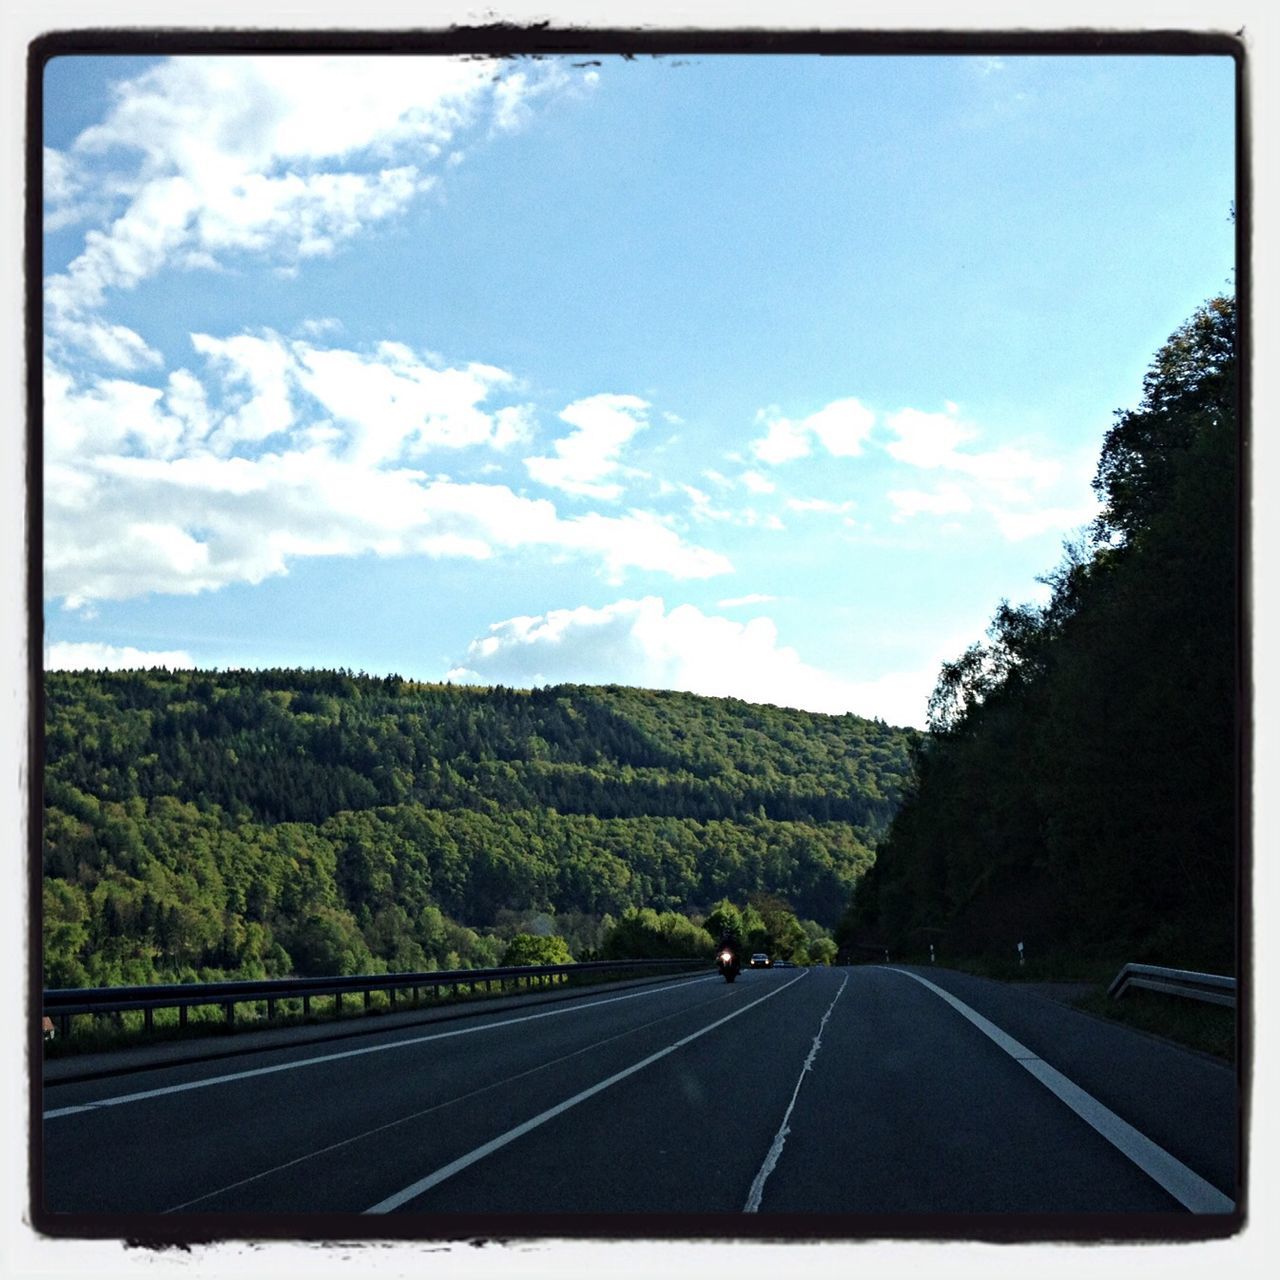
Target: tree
{"x": 1082, "y": 770}
{"x": 530, "y": 948}
{"x": 725, "y": 922}
{"x": 1191, "y": 391}
{"x": 328, "y": 942}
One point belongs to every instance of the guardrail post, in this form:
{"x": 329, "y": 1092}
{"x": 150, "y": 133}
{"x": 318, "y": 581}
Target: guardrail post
{"x": 306, "y": 1006}
{"x": 182, "y": 1015}
{"x": 271, "y": 1009}
{"x": 147, "y": 1019}
{"x": 368, "y": 995}
{"x": 337, "y": 1004}
{"x": 230, "y": 1007}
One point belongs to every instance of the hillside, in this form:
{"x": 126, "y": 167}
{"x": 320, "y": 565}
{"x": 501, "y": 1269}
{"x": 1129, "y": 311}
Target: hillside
{"x": 1081, "y": 787}
{"x": 272, "y": 821}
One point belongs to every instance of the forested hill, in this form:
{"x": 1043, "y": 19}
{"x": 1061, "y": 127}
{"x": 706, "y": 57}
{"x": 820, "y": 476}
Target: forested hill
{"x": 209, "y": 819}
{"x": 1080, "y": 788}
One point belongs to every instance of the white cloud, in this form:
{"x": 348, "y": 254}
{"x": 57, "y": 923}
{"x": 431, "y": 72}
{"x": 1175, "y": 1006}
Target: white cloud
{"x": 111, "y": 344}
{"x": 585, "y": 459}
{"x": 397, "y": 404}
{"x": 756, "y": 483}
{"x": 90, "y": 656}
{"x": 784, "y": 441}
{"x": 257, "y": 372}
{"x": 292, "y": 156}
{"x": 821, "y": 505}
{"x": 737, "y": 602}
{"x": 932, "y": 441}
{"x": 201, "y": 484}
{"x": 1017, "y": 525}
{"x": 842, "y": 427}
{"x": 1023, "y": 492}
{"x": 944, "y": 501}
{"x": 701, "y": 506}
{"x": 927, "y": 440}
{"x": 640, "y": 642}
{"x": 321, "y": 326}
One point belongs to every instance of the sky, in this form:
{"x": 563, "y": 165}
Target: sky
{"x": 756, "y": 376}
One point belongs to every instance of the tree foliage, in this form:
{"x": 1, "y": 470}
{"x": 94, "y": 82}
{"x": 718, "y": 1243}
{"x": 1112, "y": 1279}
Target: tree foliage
{"x": 1079, "y": 783}
{"x": 531, "y": 948}
{"x": 251, "y": 823}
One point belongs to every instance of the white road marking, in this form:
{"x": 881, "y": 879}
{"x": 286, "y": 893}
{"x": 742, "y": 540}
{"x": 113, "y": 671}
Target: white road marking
{"x": 503, "y": 1139}
{"x": 1185, "y": 1185}
{"x": 122, "y": 1099}
{"x": 780, "y": 1138}
{"x": 438, "y": 1106}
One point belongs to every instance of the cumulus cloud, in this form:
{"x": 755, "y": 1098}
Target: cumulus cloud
{"x": 1021, "y": 491}
{"x": 932, "y": 441}
{"x": 586, "y": 460}
{"x": 641, "y": 642}
{"x": 282, "y": 451}
{"x": 841, "y": 427}
{"x": 216, "y": 156}
{"x": 90, "y": 656}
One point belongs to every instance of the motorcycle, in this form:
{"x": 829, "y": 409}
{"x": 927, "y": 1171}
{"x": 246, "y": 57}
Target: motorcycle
{"x": 729, "y": 963}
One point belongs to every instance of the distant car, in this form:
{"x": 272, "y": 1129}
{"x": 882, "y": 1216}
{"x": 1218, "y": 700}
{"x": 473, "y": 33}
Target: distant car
{"x": 782, "y": 964}
{"x": 759, "y": 960}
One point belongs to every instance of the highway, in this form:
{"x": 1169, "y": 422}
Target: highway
{"x": 846, "y": 1091}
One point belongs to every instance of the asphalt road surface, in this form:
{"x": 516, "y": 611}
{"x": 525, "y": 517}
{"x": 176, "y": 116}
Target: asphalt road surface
{"x": 866, "y": 1090}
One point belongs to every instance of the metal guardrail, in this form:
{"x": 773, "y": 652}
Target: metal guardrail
{"x": 63, "y": 1004}
{"x": 1211, "y": 987}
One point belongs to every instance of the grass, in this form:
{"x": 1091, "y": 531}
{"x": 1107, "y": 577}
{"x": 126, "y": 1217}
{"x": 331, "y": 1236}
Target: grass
{"x": 96, "y": 1033}
{"x": 1208, "y": 1028}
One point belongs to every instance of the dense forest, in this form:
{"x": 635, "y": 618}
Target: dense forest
{"x": 1078, "y": 788}
{"x": 244, "y": 823}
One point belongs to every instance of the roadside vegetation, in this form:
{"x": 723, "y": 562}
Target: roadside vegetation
{"x": 1078, "y": 790}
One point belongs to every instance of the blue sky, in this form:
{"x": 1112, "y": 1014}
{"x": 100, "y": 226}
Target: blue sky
{"x": 756, "y": 376}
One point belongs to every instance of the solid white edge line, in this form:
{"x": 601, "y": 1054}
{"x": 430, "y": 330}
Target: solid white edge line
{"x": 1185, "y": 1185}
{"x": 756, "y": 1193}
{"x": 438, "y": 1176}
{"x": 230, "y": 1077}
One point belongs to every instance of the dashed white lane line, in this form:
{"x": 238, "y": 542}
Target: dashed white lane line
{"x": 209, "y": 1081}
{"x": 780, "y": 1138}
{"x": 1185, "y": 1185}
{"x": 438, "y": 1176}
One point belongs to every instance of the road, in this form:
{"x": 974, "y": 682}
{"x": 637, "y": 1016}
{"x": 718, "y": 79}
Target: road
{"x": 868, "y": 1090}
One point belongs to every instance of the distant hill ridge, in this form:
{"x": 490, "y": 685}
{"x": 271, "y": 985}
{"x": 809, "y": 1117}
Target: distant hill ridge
{"x": 256, "y": 799}
{"x": 308, "y": 744}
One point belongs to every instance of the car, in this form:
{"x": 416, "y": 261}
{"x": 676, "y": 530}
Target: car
{"x": 782, "y": 964}
{"x": 759, "y": 960}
